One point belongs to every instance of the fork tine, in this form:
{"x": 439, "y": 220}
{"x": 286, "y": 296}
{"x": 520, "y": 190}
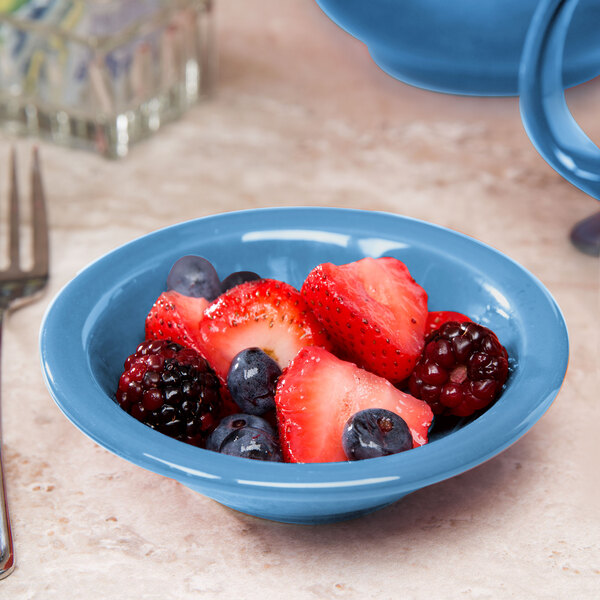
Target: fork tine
{"x": 40, "y": 223}
{"x": 13, "y": 223}
{"x": 18, "y": 285}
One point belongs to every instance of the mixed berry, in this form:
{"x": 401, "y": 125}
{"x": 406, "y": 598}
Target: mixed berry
{"x": 248, "y": 436}
{"x": 252, "y": 381}
{"x": 374, "y": 432}
{"x": 351, "y": 366}
{"x": 462, "y": 369}
{"x": 171, "y": 389}
{"x": 194, "y": 276}
{"x": 233, "y": 423}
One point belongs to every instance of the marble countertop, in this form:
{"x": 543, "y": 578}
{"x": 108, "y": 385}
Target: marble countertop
{"x": 303, "y": 117}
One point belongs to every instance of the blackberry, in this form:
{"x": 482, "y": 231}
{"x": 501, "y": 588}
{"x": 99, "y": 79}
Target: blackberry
{"x": 462, "y": 369}
{"x": 171, "y": 389}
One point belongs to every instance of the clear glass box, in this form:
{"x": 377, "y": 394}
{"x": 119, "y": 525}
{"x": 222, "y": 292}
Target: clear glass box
{"x": 102, "y": 74}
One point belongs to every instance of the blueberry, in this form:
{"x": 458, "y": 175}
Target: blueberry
{"x": 249, "y": 442}
{"x": 238, "y": 277}
{"x": 252, "y": 379}
{"x": 232, "y": 423}
{"x": 375, "y": 432}
{"x": 194, "y": 276}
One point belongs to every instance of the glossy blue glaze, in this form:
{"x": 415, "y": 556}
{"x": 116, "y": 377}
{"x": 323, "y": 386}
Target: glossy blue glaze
{"x": 461, "y": 47}
{"x": 546, "y": 116}
{"x": 97, "y": 320}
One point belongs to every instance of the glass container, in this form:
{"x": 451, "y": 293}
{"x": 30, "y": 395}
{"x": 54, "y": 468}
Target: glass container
{"x": 102, "y": 74}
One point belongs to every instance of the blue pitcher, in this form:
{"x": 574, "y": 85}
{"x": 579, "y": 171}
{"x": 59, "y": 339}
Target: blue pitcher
{"x": 546, "y": 116}
{"x": 461, "y": 46}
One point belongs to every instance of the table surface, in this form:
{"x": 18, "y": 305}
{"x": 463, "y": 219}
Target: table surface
{"x": 303, "y": 117}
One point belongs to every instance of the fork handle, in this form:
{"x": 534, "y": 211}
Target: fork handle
{"x": 7, "y": 553}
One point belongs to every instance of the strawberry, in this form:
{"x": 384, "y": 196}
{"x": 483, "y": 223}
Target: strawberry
{"x": 437, "y": 318}
{"x": 319, "y": 392}
{"x": 264, "y": 313}
{"x": 176, "y": 317}
{"x": 373, "y": 310}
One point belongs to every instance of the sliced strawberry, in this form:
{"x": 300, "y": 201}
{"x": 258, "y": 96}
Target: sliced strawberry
{"x": 373, "y": 310}
{"x": 265, "y": 313}
{"x": 318, "y": 393}
{"x": 437, "y": 318}
{"x": 177, "y": 318}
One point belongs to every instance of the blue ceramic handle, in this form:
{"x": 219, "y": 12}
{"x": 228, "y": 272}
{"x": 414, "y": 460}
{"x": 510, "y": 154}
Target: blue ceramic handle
{"x": 546, "y": 116}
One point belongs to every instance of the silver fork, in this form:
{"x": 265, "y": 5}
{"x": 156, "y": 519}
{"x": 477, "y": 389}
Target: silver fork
{"x": 17, "y": 286}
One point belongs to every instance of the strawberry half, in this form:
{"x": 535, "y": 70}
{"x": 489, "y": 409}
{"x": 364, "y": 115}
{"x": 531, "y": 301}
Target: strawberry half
{"x": 436, "y": 318}
{"x": 268, "y": 314}
{"x": 318, "y": 393}
{"x": 176, "y": 317}
{"x": 373, "y": 310}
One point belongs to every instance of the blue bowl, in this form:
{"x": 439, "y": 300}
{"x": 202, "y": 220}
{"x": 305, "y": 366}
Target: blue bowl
{"x": 97, "y": 320}
{"x": 464, "y": 46}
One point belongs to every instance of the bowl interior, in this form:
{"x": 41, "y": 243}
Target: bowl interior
{"x": 117, "y": 328}
{"x": 97, "y": 320}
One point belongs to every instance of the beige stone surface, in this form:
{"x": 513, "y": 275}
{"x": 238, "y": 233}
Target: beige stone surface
{"x": 303, "y": 117}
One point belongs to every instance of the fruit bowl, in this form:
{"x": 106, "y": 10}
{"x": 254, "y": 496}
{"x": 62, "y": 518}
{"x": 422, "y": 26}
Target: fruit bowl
{"x": 97, "y": 320}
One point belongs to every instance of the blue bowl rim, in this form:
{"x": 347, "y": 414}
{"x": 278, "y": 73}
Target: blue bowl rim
{"x": 105, "y": 423}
